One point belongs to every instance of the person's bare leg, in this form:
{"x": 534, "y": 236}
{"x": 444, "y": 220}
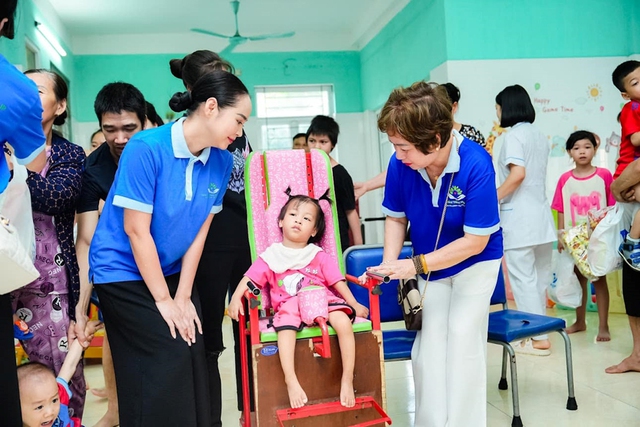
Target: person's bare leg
{"x": 580, "y": 324}
{"x": 286, "y": 350}
{"x": 342, "y": 325}
{"x": 602, "y": 298}
{"x": 112, "y": 417}
{"x": 632, "y": 362}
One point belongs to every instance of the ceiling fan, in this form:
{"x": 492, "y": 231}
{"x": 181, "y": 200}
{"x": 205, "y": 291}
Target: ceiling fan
{"x": 237, "y": 39}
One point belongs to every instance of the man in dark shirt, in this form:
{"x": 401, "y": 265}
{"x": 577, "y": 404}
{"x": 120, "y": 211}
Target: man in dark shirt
{"x": 120, "y": 108}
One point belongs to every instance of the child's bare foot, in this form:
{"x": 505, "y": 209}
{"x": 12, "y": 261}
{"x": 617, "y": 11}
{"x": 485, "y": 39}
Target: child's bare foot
{"x": 347, "y": 396}
{"x": 100, "y": 393}
{"x": 297, "y": 396}
{"x": 631, "y": 363}
{"x": 108, "y": 420}
{"x": 603, "y": 335}
{"x": 576, "y": 327}
{"x": 541, "y": 344}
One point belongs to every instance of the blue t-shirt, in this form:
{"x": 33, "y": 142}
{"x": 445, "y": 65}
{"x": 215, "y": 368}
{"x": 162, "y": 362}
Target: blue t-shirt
{"x": 472, "y": 203}
{"x": 158, "y": 175}
{"x": 20, "y": 118}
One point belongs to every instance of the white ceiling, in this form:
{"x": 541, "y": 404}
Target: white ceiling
{"x": 156, "y": 26}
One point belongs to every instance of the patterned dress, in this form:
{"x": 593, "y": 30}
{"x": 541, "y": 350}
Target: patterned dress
{"x": 47, "y": 304}
{"x": 473, "y": 134}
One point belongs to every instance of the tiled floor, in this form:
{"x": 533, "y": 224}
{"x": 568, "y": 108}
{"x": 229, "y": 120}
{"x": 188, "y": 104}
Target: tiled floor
{"x": 603, "y": 400}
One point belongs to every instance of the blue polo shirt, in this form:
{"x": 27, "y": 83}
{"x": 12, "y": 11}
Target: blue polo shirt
{"x": 158, "y": 175}
{"x": 472, "y": 203}
{"x": 20, "y": 118}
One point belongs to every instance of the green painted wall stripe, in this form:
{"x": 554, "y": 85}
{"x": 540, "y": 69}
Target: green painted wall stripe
{"x": 150, "y": 74}
{"x": 425, "y": 34}
{"x": 412, "y": 44}
{"x": 507, "y": 29}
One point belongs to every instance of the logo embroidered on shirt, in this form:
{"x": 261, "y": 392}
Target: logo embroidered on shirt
{"x": 213, "y": 189}
{"x": 456, "y": 197}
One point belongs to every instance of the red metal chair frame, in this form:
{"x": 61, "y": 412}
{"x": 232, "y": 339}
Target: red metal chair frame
{"x": 321, "y": 345}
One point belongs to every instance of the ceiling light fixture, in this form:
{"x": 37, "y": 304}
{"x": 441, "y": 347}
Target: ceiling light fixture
{"x": 48, "y": 35}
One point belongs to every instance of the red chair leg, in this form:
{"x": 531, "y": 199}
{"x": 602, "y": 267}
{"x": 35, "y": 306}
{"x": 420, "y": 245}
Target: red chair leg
{"x": 321, "y": 344}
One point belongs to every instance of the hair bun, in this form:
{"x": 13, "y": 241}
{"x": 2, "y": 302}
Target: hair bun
{"x": 180, "y": 101}
{"x": 176, "y": 66}
{"x": 59, "y": 121}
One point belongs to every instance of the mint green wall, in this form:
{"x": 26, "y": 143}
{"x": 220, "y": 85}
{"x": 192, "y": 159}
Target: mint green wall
{"x": 342, "y": 69}
{"x": 507, "y": 29}
{"x": 412, "y": 44}
{"x": 427, "y": 33}
{"x": 634, "y": 27}
{"x": 15, "y": 50}
{"x": 150, "y": 74}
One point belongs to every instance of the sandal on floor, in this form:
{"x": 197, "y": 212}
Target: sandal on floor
{"x": 526, "y": 347}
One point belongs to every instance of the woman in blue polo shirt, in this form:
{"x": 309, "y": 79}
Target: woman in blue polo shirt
{"x": 20, "y": 116}
{"x": 434, "y": 165}
{"x": 144, "y": 254}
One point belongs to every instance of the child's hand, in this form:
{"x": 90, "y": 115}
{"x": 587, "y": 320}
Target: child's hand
{"x": 560, "y": 245}
{"x": 235, "y": 308}
{"x": 363, "y": 278}
{"x": 93, "y": 326}
{"x": 89, "y": 331}
{"x": 361, "y": 310}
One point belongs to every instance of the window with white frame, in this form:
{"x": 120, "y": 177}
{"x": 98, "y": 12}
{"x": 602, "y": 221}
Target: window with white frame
{"x": 32, "y": 55}
{"x": 284, "y": 111}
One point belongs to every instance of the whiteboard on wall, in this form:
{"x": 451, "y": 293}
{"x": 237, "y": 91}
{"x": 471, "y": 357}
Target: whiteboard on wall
{"x": 568, "y": 94}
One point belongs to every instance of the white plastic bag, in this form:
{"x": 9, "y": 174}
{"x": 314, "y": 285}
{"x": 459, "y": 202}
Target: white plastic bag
{"x": 602, "y": 252}
{"x": 17, "y": 242}
{"x": 565, "y": 288}
{"x": 15, "y": 205}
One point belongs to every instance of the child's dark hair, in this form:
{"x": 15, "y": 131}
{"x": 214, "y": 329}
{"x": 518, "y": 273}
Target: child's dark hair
{"x": 95, "y": 133}
{"x": 452, "y": 91}
{"x": 324, "y": 125}
{"x": 300, "y": 135}
{"x": 153, "y": 115}
{"x": 33, "y": 369}
{"x": 516, "y": 106}
{"x": 301, "y": 199}
{"x": 622, "y": 71}
{"x": 581, "y": 134}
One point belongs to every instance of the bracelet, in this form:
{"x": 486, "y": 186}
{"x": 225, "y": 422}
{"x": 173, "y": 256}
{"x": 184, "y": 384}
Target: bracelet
{"x": 425, "y": 268}
{"x": 417, "y": 263}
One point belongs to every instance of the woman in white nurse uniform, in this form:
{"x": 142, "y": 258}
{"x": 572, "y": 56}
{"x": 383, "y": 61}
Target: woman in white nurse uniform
{"x": 525, "y": 213}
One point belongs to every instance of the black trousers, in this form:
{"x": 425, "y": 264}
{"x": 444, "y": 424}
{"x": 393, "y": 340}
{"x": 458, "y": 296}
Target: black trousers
{"x": 9, "y": 394}
{"x": 631, "y": 290}
{"x": 219, "y": 272}
{"x": 161, "y": 381}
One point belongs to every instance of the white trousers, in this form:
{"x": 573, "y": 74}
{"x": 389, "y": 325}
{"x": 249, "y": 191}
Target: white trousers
{"x": 449, "y": 353}
{"x": 529, "y": 274}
